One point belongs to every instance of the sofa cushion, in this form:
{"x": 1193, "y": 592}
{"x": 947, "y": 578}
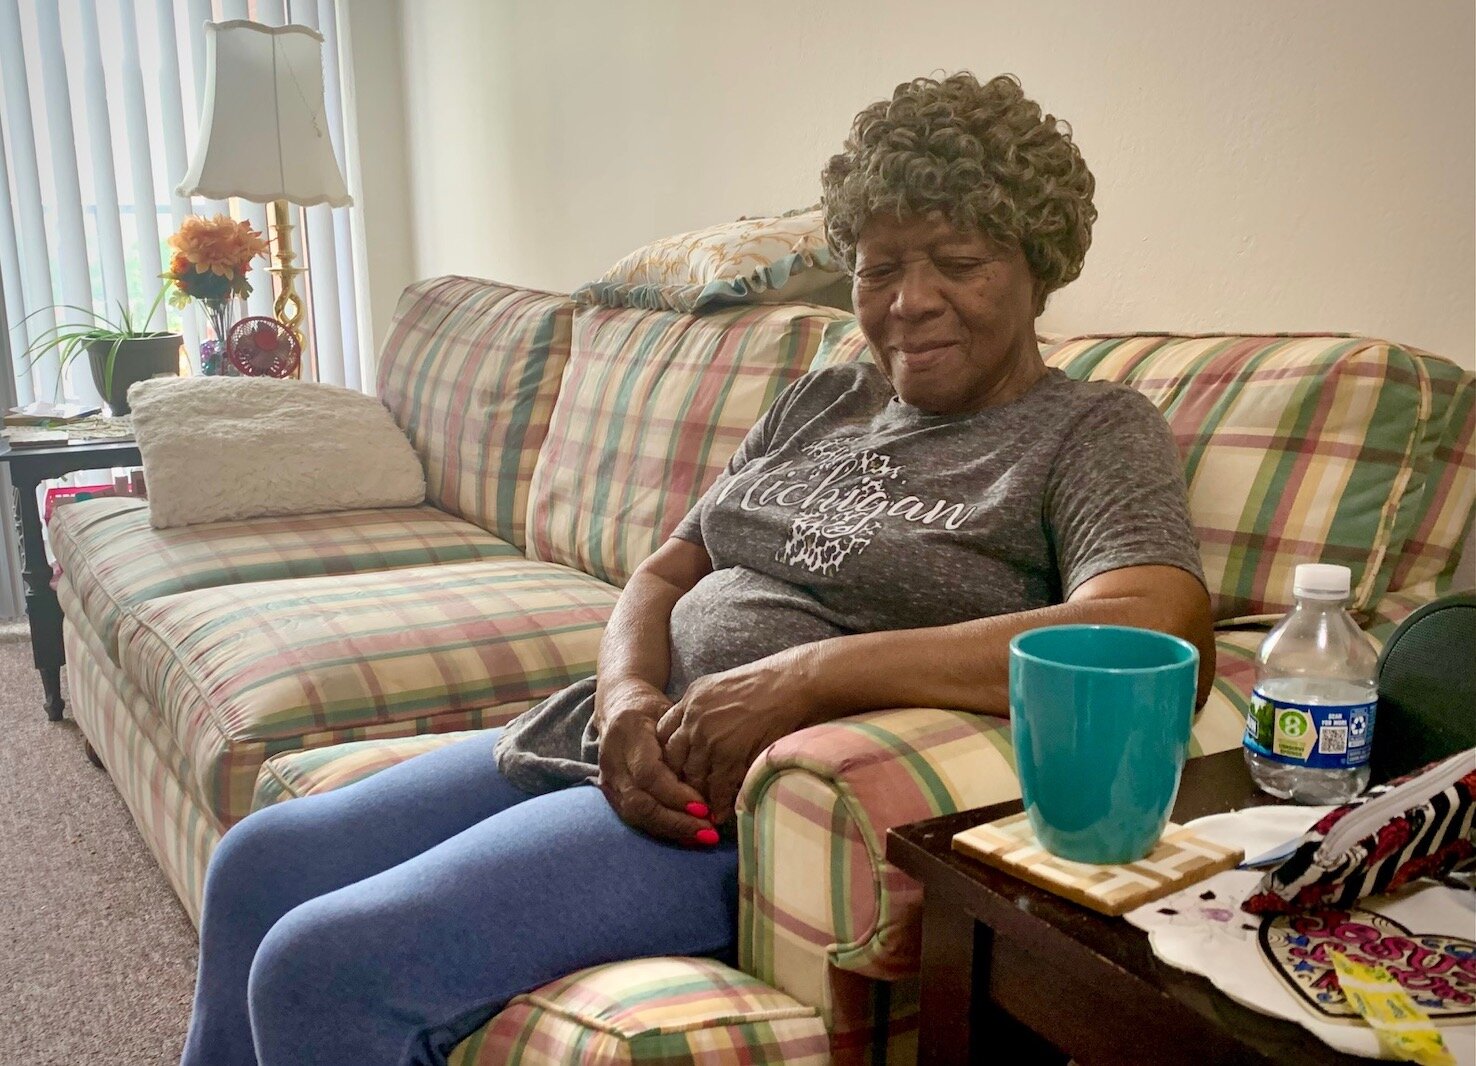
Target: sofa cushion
{"x": 652, "y": 407}
{"x": 293, "y": 774}
{"x": 1447, "y": 488}
{"x": 115, "y": 559}
{"x": 1297, "y": 449}
{"x": 752, "y": 260}
{"x": 219, "y": 448}
{"x": 672, "y": 1011}
{"x": 843, "y": 342}
{"x": 469, "y": 370}
{"x": 243, "y": 672}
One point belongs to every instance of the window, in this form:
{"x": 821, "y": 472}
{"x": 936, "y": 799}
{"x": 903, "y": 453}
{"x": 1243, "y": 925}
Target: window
{"x": 99, "y": 103}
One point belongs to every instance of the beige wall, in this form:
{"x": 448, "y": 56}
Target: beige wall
{"x": 1260, "y": 164}
{"x": 380, "y": 181}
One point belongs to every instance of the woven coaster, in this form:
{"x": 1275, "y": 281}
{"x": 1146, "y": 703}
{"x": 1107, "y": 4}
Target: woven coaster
{"x": 1178, "y": 860}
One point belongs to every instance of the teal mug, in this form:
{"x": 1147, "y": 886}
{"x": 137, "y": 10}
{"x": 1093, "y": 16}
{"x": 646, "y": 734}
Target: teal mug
{"x": 1100, "y": 717}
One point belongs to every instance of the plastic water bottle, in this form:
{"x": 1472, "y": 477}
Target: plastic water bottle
{"x": 1310, "y": 728}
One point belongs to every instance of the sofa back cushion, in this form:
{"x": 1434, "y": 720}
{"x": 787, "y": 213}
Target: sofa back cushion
{"x": 843, "y": 343}
{"x": 1297, "y": 448}
{"x": 652, "y": 406}
{"x": 470, "y": 370}
{"x": 1448, "y": 487}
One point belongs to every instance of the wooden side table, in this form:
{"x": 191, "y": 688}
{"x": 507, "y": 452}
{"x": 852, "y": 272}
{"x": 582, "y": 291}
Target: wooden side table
{"x": 999, "y": 955}
{"x": 28, "y": 468}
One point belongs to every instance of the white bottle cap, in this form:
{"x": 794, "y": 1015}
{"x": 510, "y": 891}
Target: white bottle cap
{"x": 1323, "y": 580}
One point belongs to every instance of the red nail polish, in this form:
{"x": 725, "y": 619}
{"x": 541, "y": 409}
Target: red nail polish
{"x": 706, "y": 836}
{"x": 697, "y": 810}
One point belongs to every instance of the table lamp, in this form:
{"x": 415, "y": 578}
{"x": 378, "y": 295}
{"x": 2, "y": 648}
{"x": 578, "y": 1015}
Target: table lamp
{"x": 264, "y": 134}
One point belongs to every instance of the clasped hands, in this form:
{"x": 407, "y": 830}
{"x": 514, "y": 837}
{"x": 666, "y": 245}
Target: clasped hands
{"x": 674, "y": 769}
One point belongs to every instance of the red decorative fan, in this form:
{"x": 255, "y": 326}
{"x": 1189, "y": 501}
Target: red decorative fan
{"x": 261, "y": 347}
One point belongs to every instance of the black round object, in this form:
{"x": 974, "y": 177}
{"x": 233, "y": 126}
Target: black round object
{"x": 1427, "y": 687}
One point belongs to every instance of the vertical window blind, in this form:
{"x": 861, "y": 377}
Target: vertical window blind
{"x": 11, "y": 602}
{"x": 99, "y": 102}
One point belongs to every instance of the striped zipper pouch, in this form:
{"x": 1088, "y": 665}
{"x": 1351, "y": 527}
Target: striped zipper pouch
{"x": 1417, "y": 826}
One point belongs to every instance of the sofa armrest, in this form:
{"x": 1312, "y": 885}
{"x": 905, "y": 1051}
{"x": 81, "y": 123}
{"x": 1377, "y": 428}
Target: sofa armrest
{"x": 815, "y": 888}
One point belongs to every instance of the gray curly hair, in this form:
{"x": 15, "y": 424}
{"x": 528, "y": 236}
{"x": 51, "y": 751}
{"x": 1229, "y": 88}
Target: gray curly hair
{"x": 984, "y": 155}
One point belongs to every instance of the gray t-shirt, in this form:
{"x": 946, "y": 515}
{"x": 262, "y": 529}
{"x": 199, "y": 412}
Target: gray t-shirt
{"x": 845, "y": 510}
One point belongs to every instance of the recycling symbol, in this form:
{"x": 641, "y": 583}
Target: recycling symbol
{"x": 1358, "y": 725}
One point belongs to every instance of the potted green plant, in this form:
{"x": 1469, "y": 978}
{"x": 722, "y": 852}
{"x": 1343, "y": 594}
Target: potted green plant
{"x": 120, "y": 350}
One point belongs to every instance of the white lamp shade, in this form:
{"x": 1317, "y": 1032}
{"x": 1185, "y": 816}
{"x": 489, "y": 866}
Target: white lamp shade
{"x": 263, "y": 131}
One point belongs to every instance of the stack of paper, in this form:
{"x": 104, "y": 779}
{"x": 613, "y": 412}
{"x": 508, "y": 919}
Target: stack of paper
{"x": 33, "y": 437}
{"x": 45, "y": 413}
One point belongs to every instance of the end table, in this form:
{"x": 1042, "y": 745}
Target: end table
{"x": 28, "y": 468}
{"x": 1003, "y": 960}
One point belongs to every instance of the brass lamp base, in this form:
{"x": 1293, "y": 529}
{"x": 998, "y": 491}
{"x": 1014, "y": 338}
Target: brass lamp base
{"x": 288, "y": 308}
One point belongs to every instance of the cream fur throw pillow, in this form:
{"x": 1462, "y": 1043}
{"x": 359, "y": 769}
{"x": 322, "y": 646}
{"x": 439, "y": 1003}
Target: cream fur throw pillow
{"x": 218, "y": 448}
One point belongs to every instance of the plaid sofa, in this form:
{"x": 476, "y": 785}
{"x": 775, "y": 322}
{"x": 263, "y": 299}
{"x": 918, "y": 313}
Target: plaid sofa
{"x": 219, "y": 668}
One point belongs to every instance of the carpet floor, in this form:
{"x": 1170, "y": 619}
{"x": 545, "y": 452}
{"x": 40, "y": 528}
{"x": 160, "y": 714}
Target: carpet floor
{"x": 97, "y": 957}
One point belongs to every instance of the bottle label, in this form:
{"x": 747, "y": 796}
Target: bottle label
{"x": 1317, "y": 736}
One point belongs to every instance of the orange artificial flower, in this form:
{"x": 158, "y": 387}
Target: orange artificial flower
{"x": 212, "y": 257}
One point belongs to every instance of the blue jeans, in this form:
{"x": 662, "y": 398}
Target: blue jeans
{"x": 382, "y": 923}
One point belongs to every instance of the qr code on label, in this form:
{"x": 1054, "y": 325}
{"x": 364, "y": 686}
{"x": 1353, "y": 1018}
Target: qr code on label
{"x": 1333, "y": 740}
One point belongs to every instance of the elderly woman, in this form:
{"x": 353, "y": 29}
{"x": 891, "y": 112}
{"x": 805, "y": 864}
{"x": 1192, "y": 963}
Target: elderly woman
{"x": 876, "y": 541}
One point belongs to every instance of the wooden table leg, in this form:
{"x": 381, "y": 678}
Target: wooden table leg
{"x": 944, "y": 1024}
{"x": 42, "y": 608}
{"x": 959, "y": 1022}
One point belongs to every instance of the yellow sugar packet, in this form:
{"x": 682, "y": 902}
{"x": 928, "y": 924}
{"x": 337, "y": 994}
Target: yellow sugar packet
{"x": 1404, "y": 1030}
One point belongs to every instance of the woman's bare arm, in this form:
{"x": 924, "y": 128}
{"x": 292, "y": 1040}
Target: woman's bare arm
{"x": 966, "y": 665}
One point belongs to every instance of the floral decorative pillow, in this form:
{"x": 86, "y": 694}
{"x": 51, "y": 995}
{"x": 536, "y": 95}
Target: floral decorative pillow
{"x": 754, "y": 260}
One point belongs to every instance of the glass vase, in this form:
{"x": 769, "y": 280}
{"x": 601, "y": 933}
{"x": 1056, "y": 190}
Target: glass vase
{"x": 220, "y": 315}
